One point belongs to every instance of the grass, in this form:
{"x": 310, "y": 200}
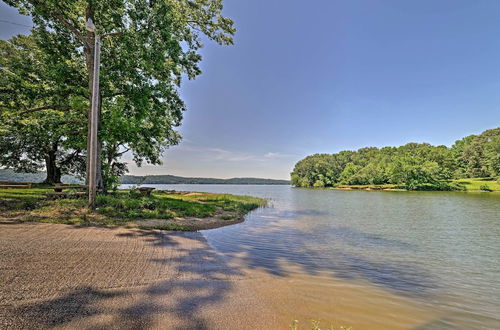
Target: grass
{"x": 124, "y": 206}
{"x": 479, "y": 184}
{"x": 472, "y": 185}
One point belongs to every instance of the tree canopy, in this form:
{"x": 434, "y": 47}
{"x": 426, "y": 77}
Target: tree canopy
{"x": 414, "y": 166}
{"x": 148, "y": 47}
{"x": 42, "y": 110}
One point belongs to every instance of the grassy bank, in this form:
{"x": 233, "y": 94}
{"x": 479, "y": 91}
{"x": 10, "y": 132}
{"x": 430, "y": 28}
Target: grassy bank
{"x": 162, "y": 210}
{"x": 480, "y": 184}
{"x": 472, "y": 185}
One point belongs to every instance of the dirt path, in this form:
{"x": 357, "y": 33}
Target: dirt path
{"x": 61, "y": 276}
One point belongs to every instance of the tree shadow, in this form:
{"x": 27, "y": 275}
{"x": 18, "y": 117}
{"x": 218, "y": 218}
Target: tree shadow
{"x": 199, "y": 277}
{"x": 77, "y": 304}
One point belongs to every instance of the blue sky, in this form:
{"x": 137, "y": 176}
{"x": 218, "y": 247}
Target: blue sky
{"x": 322, "y": 76}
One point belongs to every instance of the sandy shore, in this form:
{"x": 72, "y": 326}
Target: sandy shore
{"x": 61, "y": 276}
{"x": 69, "y": 277}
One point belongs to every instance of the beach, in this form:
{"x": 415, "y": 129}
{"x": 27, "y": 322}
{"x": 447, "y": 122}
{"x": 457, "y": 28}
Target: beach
{"x": 62, "y": 276}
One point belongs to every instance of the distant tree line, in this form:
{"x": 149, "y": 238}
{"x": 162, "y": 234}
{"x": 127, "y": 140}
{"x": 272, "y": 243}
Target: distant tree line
{"x": 414, "y": 166}
{"x": 172, "y": 179}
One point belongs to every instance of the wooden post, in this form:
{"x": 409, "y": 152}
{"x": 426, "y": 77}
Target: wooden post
{"x": 92, "y": 152}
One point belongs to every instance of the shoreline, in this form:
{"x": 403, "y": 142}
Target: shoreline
{"x": 164, "y": 210}
{"x": 405, "y": 190}
{"x": 95, "y": 277}
{"x": 187, "y": 224}
{"x": 394, "y": 189}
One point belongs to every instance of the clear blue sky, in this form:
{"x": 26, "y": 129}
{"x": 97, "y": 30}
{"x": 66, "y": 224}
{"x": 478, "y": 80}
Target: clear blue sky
{"x": 323, "y": 76}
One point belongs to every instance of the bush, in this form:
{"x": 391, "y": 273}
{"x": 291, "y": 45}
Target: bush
{"x": 485, "y": 187}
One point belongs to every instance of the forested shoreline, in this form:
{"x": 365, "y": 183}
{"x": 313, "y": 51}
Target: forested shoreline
{"x": 413, "y": 166}
{"x": 172, "y": 179}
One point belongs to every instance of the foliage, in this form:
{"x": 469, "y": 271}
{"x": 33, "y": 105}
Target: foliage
{"x": 414, "y": 166}
{"x": 479, "y": 155}
{"x": 42, "y": 111}
{"x": 148, "y": 48}
{"x": 485, "y": 187}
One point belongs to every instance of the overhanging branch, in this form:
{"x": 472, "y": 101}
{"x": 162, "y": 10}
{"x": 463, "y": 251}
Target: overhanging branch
{"x": 47, "y": 107}
{"x": 59, "y": 17}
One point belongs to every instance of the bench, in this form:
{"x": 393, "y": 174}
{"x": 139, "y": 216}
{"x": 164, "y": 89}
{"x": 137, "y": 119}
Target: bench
{"x": 146, "y": 191}
{"x": 13, "y": 185}
{"x": 71, "y": 191}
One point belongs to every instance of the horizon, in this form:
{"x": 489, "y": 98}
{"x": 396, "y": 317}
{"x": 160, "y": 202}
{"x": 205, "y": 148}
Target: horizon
{"x": 344, "y": 79}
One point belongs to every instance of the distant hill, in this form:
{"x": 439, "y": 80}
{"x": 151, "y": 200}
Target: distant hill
{"x": 172, "y": 179}
{"x": 10, "y": 175}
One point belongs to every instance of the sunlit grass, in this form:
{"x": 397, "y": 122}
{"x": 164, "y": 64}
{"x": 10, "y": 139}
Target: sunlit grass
{"x": 478, "y": 184}
{"x": 124, "y": 206}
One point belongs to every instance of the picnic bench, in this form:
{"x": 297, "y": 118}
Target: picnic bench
{"x": 62, "y": 190}
{"x": 146, "y": 191}
{"x": 13, "y": 185}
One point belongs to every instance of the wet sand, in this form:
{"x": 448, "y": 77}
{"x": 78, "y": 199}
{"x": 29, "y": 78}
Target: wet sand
{"x": 67, "y": 277}
{"x": 61, "y": 276}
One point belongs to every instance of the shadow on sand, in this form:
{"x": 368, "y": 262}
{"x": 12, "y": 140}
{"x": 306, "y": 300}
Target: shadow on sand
{"x": 198, "y": 277}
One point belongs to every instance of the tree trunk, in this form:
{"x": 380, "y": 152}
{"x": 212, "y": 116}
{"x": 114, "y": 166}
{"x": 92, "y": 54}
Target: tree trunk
{"x": 53, "y": 171}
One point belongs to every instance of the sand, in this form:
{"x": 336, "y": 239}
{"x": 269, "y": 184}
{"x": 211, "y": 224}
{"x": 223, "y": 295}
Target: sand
{"x": 67, "y": 277}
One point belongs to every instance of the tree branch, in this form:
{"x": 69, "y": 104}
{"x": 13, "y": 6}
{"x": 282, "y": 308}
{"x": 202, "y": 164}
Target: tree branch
{"x": 70, "y": 157}
{"x": 61, "y": 19}
{"x": 118, "y": 154}
{"x": 47, "y": 107}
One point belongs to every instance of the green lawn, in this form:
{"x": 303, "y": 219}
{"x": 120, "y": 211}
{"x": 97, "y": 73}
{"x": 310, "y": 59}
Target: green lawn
{"x": 475, "y": 184}
{"x": 123, "y": 206}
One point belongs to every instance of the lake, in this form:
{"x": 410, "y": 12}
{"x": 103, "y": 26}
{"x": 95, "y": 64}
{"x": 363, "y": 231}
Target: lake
{"x": 426, "y": 260}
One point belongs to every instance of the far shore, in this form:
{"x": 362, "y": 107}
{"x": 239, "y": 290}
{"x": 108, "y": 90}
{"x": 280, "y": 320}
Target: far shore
{"x": 395, "y": 189}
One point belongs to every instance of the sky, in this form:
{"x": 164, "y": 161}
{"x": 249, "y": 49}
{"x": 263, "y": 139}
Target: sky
{"x": 322, "y": 76}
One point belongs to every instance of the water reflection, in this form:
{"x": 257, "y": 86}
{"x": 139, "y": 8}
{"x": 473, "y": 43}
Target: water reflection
{"x": 440, "y": 249}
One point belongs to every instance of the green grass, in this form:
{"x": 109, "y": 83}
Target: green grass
{"x": 123, "y": 206}
{"x": 476, "y": 184}
{"x": 472, "y": 185}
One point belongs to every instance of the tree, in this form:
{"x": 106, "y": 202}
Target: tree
{"x": 41, "y": 109}
{"x": 477, "y": 155}
{"x": 415, "y": 166}
{"x": 492, "y": 154}
{"x": 148, "y": 46}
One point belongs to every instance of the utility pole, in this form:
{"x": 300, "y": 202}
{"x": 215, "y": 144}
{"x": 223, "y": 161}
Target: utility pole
{"x": 94, "y": 113}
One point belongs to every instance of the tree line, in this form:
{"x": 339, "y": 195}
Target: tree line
{"x": 172, "y": 179}
{"x": 148, "y": 49}
{"x": 414, "y": 166}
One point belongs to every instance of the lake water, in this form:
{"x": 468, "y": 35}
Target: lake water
{"x": 426, "y": 260}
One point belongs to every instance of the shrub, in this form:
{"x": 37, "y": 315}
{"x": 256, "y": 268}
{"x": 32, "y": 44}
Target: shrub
{"x": 485, "y": 187}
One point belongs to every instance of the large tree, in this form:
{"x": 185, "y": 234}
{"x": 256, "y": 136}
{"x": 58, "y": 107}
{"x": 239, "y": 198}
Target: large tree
{"x": 41, "y": 109}
{"x": 148, "y": 46}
